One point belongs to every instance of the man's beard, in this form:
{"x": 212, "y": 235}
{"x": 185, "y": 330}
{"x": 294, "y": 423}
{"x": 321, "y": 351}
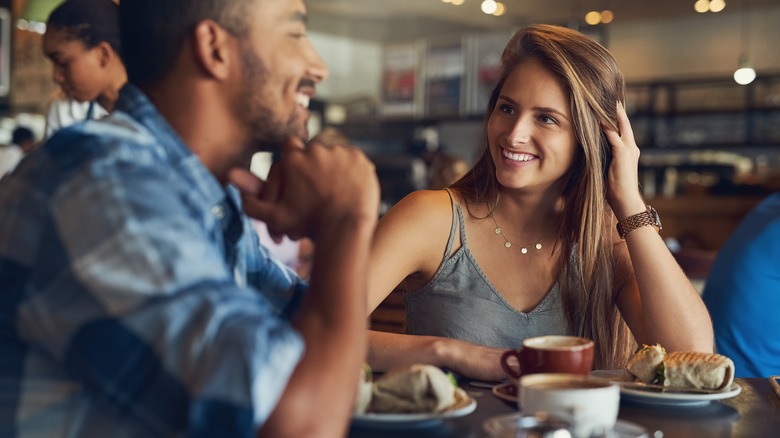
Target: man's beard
{"x": 265, "y": 131}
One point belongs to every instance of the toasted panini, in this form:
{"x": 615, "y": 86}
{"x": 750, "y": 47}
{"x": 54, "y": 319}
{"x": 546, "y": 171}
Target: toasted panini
{"x": 698, "y": 370}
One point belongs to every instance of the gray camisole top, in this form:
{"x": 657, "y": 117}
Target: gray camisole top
{"x": 460, "y": 302}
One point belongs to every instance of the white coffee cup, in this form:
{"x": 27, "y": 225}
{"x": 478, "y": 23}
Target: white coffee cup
{"x": 589, "y": 405}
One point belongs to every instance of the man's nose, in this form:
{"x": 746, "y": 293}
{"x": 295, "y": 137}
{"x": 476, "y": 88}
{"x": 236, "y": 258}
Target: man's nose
{"x": 316, "y": 70}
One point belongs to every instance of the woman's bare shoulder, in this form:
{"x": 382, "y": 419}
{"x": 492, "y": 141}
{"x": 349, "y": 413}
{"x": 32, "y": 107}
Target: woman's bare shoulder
{"x": 429, "y": 207}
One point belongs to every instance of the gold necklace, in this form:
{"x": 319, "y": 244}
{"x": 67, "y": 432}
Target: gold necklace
{"x": 507, "y": 243}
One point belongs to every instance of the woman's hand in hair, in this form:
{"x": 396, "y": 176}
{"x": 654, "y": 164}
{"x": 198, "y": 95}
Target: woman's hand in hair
{"x": 623, "y": 180}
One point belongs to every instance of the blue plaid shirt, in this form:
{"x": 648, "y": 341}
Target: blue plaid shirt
{"x": 135, "y": 299}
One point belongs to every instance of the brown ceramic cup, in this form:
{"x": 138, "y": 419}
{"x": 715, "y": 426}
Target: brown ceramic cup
{"x": 550, "y": 354}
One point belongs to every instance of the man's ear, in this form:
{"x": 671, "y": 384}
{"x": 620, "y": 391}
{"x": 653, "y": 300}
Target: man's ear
{"x": 211, "y": 45}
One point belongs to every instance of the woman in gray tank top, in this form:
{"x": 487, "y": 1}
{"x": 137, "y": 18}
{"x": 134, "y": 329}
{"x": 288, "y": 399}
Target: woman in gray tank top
{"x": 526, "y": 243}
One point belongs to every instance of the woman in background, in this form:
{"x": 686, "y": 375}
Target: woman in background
{"x": 82, "y": 42}
{"x": 525, "y": 244}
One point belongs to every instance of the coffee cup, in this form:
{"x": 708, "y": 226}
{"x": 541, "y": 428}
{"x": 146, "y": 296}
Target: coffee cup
{"x": 550, "y": 354}
{"x": 590, "y": 406}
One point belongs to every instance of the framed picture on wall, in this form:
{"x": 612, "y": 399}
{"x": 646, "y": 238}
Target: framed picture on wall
{"x": 5, "y": 51}
{"x": 444, "y": 73}
{"x": 400, "y": 79}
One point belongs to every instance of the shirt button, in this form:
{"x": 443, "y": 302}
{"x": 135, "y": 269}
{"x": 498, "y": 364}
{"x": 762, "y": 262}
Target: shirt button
{"x": 218, "y": 212}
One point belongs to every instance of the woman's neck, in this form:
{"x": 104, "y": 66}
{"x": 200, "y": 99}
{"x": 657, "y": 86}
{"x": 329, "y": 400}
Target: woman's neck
{"x": 107, "y": 99}
{"x": 537, "y": 214}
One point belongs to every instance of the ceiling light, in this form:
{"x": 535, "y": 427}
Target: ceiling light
{"x": 745, "y": 73}
{"x": 701, "y": 6}
{"x": 456, "y": 2}
{"x": 607, "y": 16}
{"x": 489, "y": 6}
{"x": 717, "y": 5}
{"x": 593, "y": 18}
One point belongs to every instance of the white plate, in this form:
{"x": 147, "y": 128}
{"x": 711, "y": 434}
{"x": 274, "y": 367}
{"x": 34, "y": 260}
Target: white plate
{"x": 404, "y": 421}
{"x": 652, "y": 396}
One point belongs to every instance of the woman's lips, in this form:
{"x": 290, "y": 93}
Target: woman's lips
{"x": 517, "y": 157}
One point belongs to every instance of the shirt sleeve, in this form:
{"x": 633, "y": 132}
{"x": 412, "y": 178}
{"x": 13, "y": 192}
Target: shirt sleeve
{"x": 144, "y": 312}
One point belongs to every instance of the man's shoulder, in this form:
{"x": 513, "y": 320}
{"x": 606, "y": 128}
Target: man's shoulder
{"x": 113, "y": 140}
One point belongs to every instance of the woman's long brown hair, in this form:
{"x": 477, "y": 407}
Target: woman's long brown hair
{"x": 594, "y": 83}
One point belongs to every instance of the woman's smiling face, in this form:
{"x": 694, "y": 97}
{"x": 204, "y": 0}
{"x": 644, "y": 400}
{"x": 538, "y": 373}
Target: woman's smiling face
{"x": 531, "y": 130}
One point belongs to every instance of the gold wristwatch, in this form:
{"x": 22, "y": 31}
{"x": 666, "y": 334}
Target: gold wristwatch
{"x": 645, "y": 218}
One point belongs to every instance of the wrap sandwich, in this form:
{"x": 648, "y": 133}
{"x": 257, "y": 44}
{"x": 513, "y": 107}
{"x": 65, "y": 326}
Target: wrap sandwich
{"x": 697, "y": 370}
{"x": 644, "y": 365}
{"x": 414, "y": 389}
{"x": 364, "y": 391}
{"x": 681, "y": 369}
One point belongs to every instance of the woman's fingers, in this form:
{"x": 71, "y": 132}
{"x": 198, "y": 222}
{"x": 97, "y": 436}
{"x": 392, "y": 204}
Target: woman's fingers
{"x": 626, "y": 133}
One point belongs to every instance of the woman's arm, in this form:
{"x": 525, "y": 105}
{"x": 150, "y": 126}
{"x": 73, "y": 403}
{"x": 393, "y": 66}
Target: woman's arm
{"x": 409, "y": 245}
{"x": 656, "y": 299}
{"x": 388, "y": 350}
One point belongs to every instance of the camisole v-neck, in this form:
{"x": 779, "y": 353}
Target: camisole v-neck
{"x": 460, "y": 302}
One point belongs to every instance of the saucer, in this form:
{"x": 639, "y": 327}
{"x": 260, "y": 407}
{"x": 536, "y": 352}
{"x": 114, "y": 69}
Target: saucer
{"x": 506, "y": 426}
{"x": 506, "y": 392}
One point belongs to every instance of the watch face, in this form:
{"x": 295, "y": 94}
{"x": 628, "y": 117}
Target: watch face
{"x": 656, "y": 217}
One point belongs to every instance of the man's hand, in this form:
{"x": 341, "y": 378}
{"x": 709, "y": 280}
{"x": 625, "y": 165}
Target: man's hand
{"x": 311, "y": 187}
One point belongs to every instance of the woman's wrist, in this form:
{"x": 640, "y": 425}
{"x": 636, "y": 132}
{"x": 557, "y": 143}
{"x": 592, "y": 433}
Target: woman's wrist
{"x": 629, "y": 209}
{"x": 444, "y": 352}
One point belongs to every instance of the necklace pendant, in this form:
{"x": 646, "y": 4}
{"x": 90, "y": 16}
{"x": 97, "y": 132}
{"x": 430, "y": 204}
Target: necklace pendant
{"x": 507, "y": 244}
{"x": 538, "y": 246}
{"x": 524, "y": 250}
{"x": 498, "y": 230}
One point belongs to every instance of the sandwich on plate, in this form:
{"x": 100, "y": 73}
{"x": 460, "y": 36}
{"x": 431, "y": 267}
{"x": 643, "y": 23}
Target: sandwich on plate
{"x": 411, "y": 389}
{"x": 681, "y": 369}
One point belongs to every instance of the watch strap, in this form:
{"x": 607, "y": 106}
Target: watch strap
{"x": 643, "y": 219}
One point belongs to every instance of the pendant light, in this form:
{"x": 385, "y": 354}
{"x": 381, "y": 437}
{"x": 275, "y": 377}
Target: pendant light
{"x": 745, "y": 73}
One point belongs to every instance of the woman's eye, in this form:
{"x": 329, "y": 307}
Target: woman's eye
{"x": 548, "y": 120}
{"x": 506, "y": 109}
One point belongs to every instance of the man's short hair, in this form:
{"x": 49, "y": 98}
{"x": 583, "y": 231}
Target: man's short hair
{"x": 22, "y": 134}
{"x": 153, "y": 32}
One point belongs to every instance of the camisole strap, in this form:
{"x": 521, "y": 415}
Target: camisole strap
{"x": 457, "y": 213}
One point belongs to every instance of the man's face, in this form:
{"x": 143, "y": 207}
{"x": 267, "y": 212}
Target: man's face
{"x": 279, "y": 72}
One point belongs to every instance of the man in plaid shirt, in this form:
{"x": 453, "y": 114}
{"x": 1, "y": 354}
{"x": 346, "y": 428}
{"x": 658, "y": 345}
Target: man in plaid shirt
{"x": 135, "y": 299}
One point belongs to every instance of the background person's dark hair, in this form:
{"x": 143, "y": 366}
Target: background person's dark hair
{"x": 154, "y": 31}
{"x": 22, "y": 134}
{"x": 89, "y": 22}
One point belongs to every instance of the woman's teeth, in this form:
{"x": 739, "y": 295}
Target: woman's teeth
{"x": 517, "y": 157}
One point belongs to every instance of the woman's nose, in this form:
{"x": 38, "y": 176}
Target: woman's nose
{"x": 521, "y": 132}
{"x": 57, "y": 76}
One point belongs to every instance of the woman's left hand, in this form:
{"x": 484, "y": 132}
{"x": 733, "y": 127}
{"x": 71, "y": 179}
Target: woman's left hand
{"x": 623, "y": 179}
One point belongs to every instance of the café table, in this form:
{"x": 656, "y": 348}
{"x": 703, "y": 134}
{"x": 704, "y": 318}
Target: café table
{"x": 754, "y": 413}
